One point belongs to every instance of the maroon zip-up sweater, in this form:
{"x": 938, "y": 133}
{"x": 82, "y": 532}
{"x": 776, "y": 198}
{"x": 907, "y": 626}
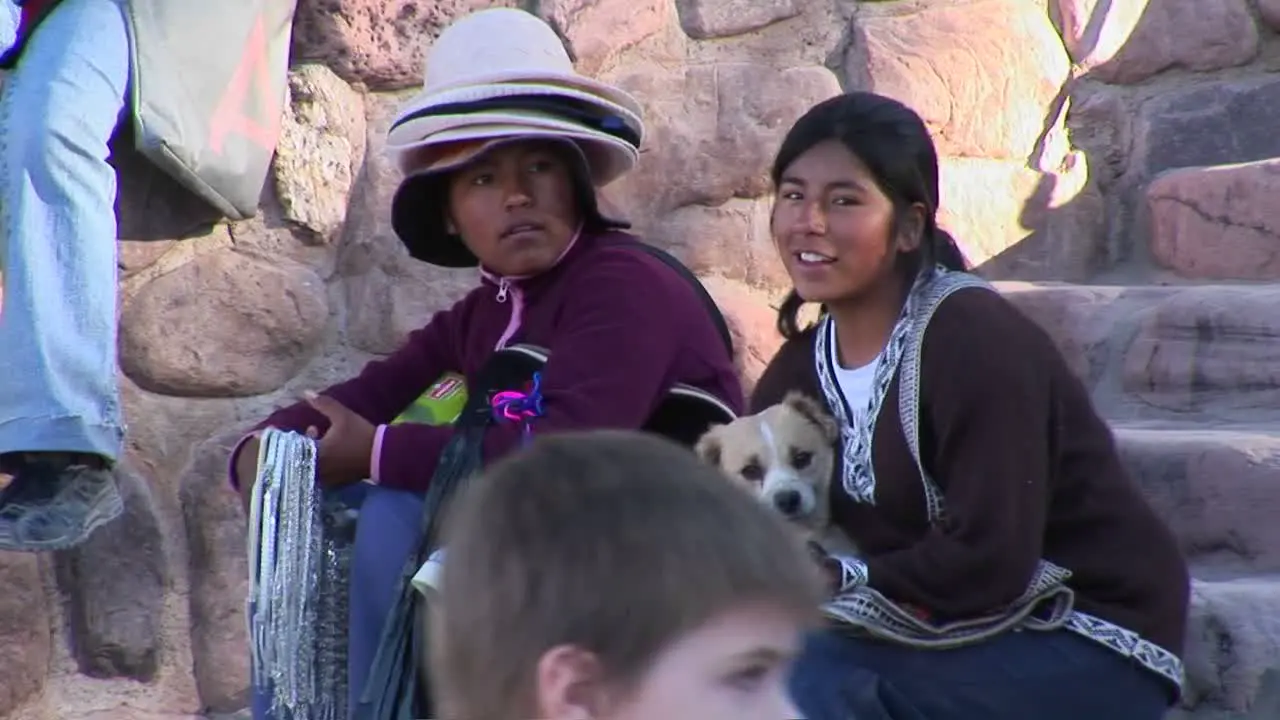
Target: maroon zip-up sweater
{"x": 621, "y": 328}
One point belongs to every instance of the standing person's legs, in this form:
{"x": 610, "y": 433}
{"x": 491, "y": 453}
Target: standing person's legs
{"x": 60, "y": 418}
{"x": 1048, "y": 676}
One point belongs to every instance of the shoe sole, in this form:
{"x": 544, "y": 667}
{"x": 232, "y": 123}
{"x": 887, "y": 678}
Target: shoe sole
{"x": 101, "y": 513}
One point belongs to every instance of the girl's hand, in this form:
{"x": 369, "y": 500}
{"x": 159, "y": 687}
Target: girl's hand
{"x": 345, "y": 449}
{"x": 829, "y": 566}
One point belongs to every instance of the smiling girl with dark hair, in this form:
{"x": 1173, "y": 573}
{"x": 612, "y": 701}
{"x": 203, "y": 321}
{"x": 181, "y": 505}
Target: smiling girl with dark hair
{"x": 976, "y": 477}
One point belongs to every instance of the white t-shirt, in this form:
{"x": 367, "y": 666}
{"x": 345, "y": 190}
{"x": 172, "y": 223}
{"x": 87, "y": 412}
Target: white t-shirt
{"x": 855, "y": 383}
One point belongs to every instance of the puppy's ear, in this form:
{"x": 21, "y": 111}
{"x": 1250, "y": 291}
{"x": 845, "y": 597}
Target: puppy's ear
{"x": 814, "y": 412}
{"x": 710, "y": 446}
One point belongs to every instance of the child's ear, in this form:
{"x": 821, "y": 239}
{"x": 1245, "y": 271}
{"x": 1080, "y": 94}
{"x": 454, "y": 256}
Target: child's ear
{"x": 710, "y": 447}
{"x": 911, "y": 229}
{"x": 569, "y": 684}
{"x": 812, "y": 410}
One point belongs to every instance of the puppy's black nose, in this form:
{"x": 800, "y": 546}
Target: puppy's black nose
{"x": 787, "y": 501}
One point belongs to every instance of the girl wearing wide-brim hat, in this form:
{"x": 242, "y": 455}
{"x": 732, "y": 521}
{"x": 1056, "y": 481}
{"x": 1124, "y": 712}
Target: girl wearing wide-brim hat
{"x": 502, "y": 151}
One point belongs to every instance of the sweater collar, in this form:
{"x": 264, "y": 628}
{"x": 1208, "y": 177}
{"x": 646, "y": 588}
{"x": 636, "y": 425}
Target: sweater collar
{"x": 575, "y": 247}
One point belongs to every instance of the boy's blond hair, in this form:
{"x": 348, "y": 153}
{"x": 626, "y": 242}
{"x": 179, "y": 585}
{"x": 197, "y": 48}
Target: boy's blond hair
{"x": 614, "y": 542}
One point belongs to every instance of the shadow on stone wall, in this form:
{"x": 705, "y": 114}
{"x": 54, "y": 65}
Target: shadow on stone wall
{"x": 990, "y": 78}
{"x": 1054, "y": 155}
{"x": 1142, "y": 105}
{"x": 150, "y": 206}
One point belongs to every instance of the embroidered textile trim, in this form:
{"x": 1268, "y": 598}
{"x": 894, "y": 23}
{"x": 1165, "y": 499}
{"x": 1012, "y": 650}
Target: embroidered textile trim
{"x": 1047, "y": 603}
{"x": 853, "y": 572}
{"x": 1130, "y": 644}
{"x": 868, "y": 611}
{"x": 857, "y": 428}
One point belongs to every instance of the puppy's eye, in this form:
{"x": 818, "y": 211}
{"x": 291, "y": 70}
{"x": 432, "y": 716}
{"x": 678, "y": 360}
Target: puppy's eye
{"x": 752, "y": 471}
{"x": 800, "y": 459}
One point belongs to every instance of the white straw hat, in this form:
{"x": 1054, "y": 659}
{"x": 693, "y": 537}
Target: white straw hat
{"x": 503, "y": 74}
{"x": 494, "y": 61}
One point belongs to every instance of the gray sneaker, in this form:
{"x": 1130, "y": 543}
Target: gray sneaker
{"x": 54, "y": 501}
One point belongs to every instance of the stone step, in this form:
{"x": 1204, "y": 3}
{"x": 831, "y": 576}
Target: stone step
{"x": 1219, "y": 491}
{"x": 1184, "y": 352}
{"x": 1232, "y": 653}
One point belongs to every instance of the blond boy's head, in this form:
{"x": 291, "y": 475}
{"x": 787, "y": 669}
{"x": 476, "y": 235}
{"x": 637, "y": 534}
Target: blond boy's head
{"x": 613, "y": 575}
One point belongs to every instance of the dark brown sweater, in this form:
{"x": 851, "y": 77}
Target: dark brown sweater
{"x": 1028, "y": 470}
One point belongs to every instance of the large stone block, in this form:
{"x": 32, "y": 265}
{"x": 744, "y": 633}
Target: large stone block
{"x": 752, "y": 323}
{"x": 703, "y": 19}
{"x": 1233, "y": 641}
{"x": 698, "y": 116}
{"x": 1128, "y": 41}
{"x": 1269, "y": 10}
{"x": 986, "y": 76}
{"x": 1219, "y": 491}
{"x": 1207, "y": 123}
{"x": 1218, "y": 222}
{"x": 219, "y": 575}
{"x": 684, "y": 196}
{"x": 732, "y": 240}
{"x": 223, "y": 325}
{"x": 25, "y": 642}
{"x": 388, "y": 294}
{"x": 321, "y": 148}
{"x": 1203, "y": 353}
{"x": 1081, "y": 319}
{"x": 1213, "y": 350}
{"x": 380, "y": 43}
{"x": 597, "y": 32}
{"x": 116, "y": 583}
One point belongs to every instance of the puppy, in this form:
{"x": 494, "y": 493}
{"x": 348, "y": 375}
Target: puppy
{"x": 785, "y": 456}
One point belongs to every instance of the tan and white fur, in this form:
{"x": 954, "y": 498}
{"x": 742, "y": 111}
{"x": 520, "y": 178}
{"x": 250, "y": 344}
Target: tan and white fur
{"x": 785, "y": 455}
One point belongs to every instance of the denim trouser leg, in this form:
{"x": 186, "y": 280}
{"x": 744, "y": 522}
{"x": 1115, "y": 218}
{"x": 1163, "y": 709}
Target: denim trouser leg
{"x": 59, "y": 107}
{"x": 1055, "y": 675}
{"x": 387, "y": 533}
{"x": 830, "y": 681}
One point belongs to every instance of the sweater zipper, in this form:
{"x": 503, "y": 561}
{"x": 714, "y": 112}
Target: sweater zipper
{"x": 508, "y": 290}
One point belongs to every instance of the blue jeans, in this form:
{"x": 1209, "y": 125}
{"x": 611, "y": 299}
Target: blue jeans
{"x": 1016, "y": 676}
{"x": 386, "y": 534}
{"x": 58, "y": 110}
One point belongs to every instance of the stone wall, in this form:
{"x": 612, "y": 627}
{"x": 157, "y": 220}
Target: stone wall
{"x": 1053, "y": 117}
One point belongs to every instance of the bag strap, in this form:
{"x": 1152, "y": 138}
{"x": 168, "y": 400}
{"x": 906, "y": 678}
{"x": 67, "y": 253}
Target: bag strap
{"x": 713, "y": 309}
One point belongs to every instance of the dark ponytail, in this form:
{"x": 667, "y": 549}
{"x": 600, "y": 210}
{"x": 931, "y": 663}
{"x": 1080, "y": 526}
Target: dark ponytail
{"x": 940, "y": 248}
{"x": 947, "y": 253}
{"x": 789, "y": 316}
